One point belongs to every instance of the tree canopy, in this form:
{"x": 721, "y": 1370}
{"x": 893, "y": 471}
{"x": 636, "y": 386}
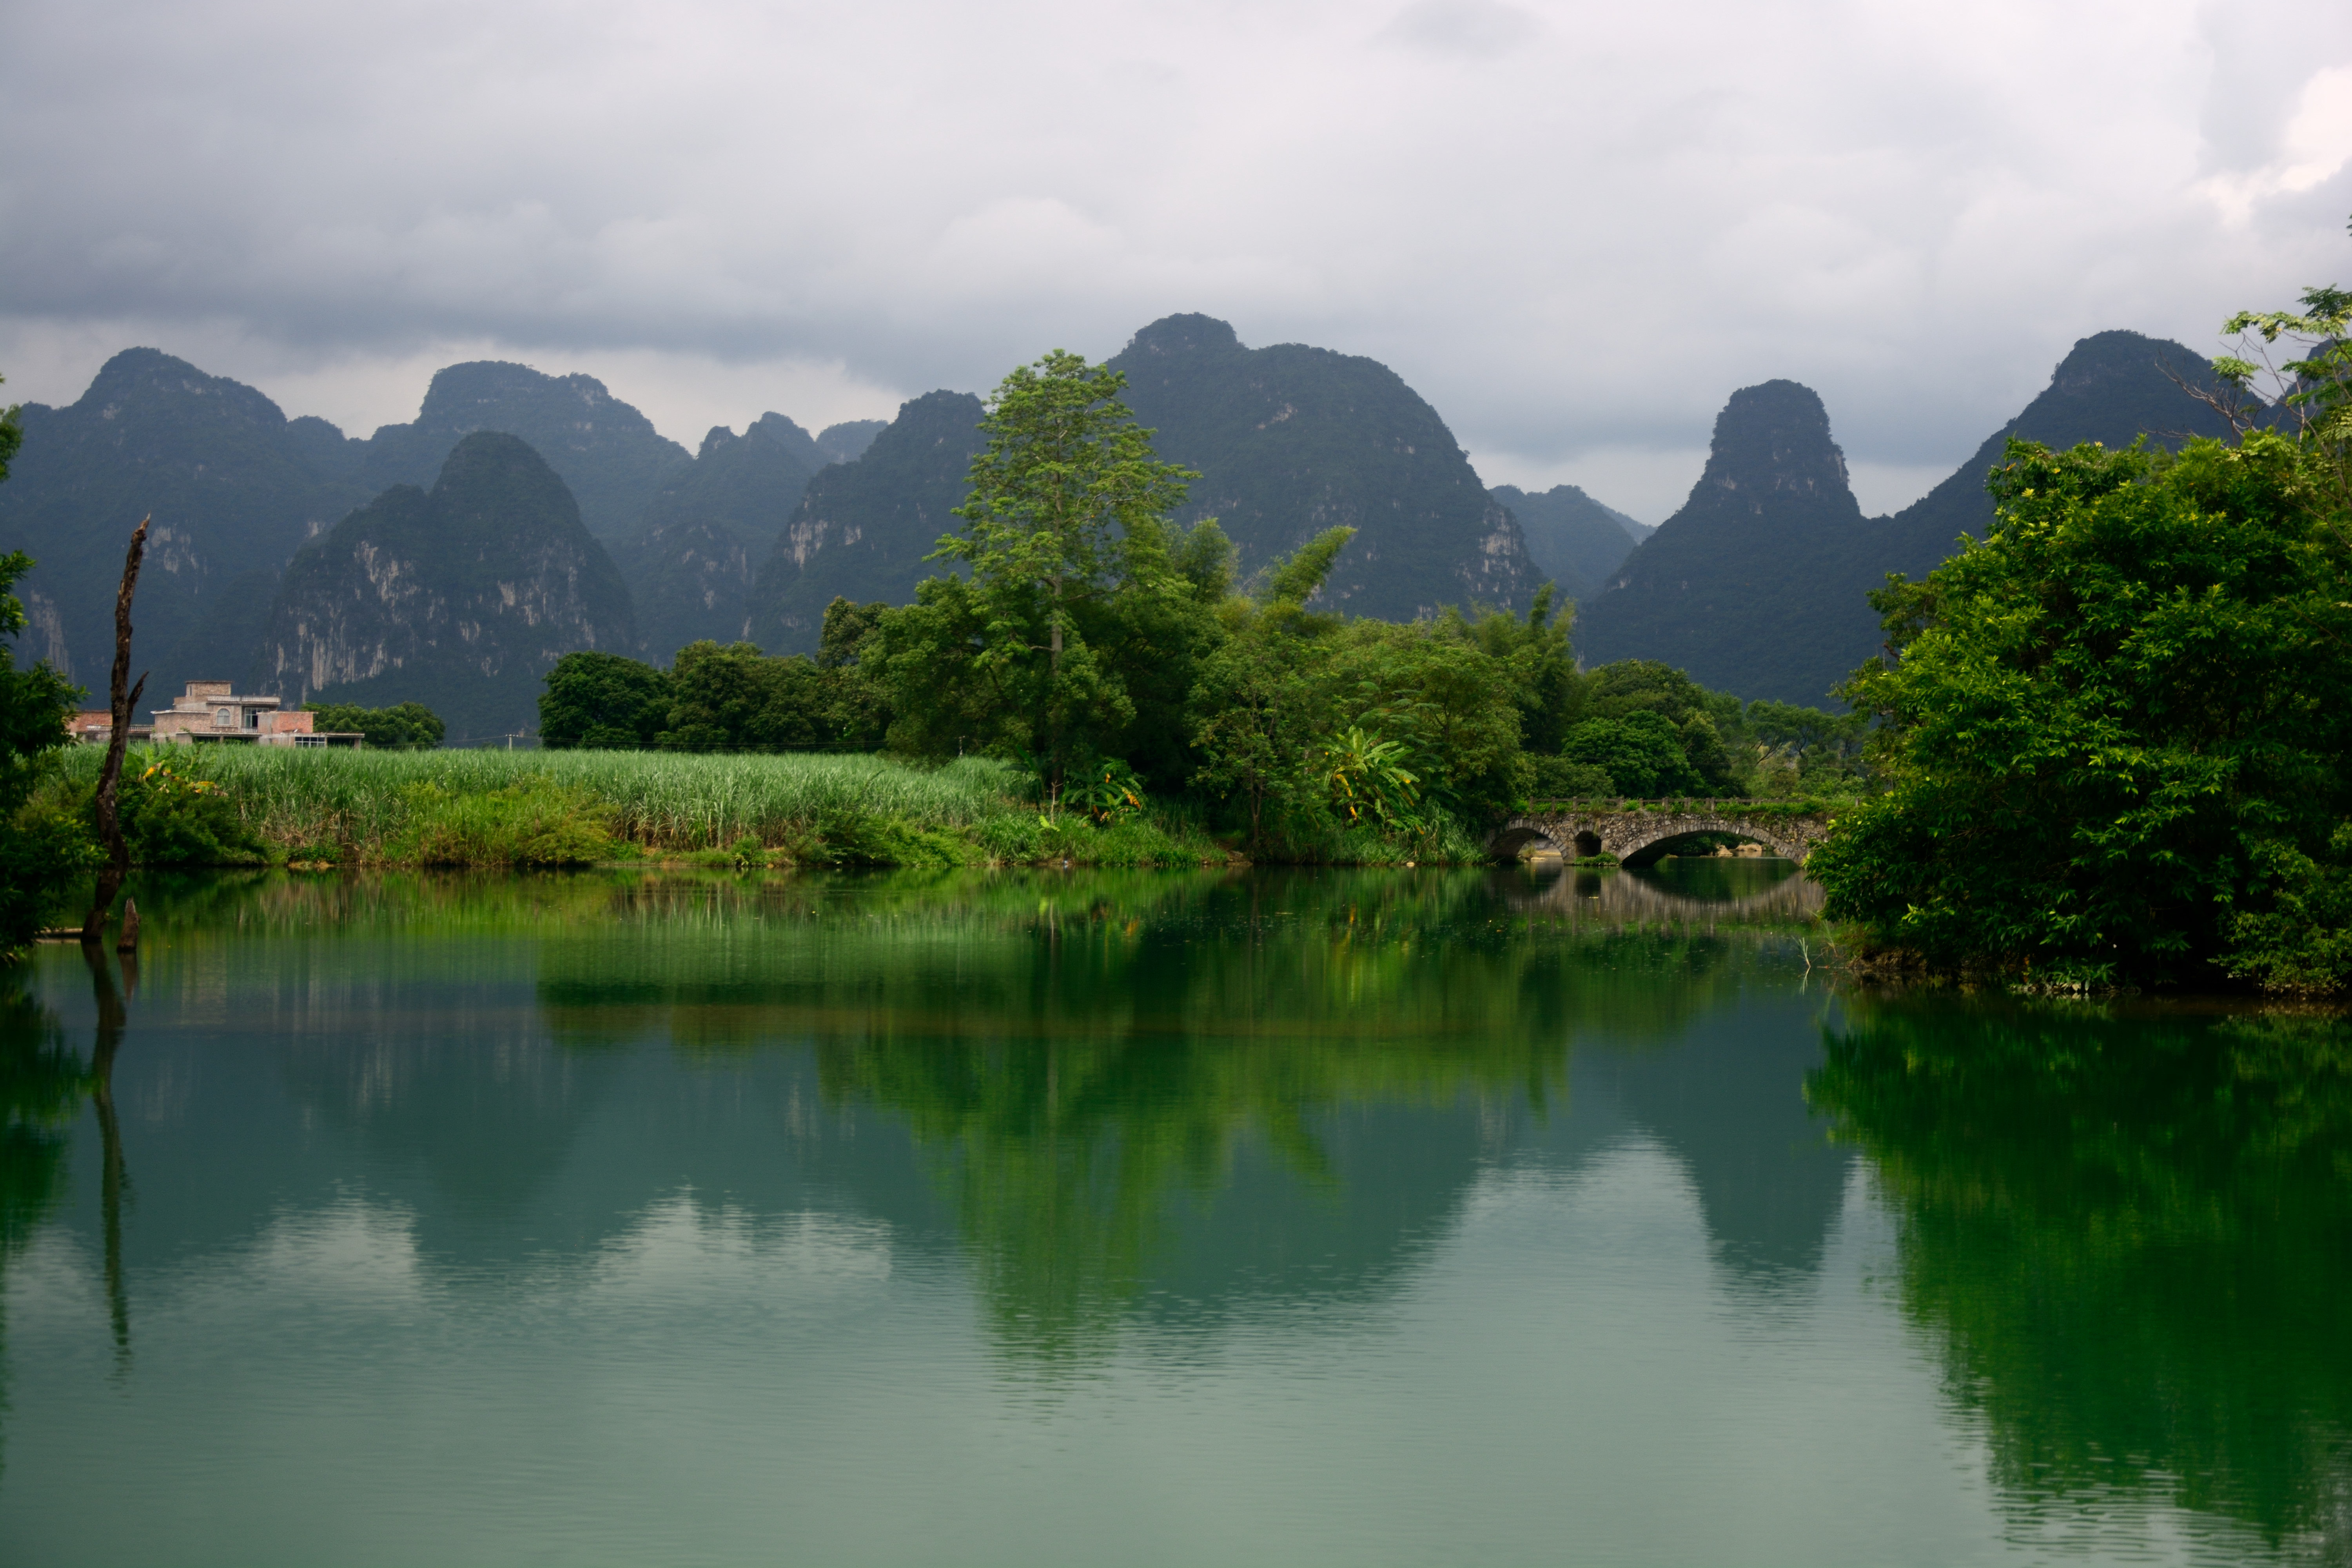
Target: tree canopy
{"x": 2116, "y": 734}
{"x": 405, "y": 726}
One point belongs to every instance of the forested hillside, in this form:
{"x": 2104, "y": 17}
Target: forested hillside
{"x": 1291, "y": 440}
{"x": 461, "y": 598}
{"x": 235, "y": 488}
{"x": 862, "y": 529}
{"x": 1758, "y": 585}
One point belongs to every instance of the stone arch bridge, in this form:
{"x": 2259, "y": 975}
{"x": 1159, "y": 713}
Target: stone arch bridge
{"x": 1637, "y": 829}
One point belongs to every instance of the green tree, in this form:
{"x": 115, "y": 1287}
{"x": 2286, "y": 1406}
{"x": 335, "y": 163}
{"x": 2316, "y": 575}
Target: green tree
{"x": 1534, "y": 653}
{"x": 857, "y": 704}
{"x": 1259, "y": 704}
{"x": 1066, "y": 511}
{"x": 736, "y": 698}
{"x": 403, "y": 727}
{"x": 2310, "y": 393}
{"x": 1698, "y": 717}
{"x": 43, "y": 847}
{"x": 2116, "y": 732}
{"x": 1804, "y": 748}
{"x": 603, "y": 701}
{"x": 1453, "y": 707}
{"x": 1641, "y": 753}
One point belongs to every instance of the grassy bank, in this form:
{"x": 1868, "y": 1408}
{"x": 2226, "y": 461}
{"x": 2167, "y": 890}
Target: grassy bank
{"x": 501, "y": 808}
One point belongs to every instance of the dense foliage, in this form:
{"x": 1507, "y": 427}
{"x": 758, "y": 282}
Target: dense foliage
{"x": 2117, "y": 733}
{"x": 720, "y": 698}
{"x": 401, "y": 726}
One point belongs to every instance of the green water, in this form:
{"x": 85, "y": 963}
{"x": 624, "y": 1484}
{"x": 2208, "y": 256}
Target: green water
{"x": 1392, "y": 1217}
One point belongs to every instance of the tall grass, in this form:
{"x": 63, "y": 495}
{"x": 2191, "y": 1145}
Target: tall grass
{"x": 500, "y": 808}
{"x": 365, "y": 800}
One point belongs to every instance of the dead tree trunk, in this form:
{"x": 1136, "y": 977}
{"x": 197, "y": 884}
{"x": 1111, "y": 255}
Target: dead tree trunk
{"x": 124, "y": 694}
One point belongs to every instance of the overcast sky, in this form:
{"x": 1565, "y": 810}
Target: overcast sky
{"x": 1574, "y": 227}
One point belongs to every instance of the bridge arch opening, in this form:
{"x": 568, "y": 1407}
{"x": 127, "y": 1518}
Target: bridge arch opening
{"x": 1519, "y": 843}
{"x": 1705, "y": 843}
{"x": 1586, "y": 845}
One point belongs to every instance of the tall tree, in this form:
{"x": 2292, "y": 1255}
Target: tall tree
{"x": 1067, "y": 508}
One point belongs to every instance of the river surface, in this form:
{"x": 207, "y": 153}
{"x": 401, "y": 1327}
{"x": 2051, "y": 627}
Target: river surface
{"x": 1400, "y": 1218}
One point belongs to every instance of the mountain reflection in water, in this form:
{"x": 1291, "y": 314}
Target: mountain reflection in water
{"x": 1148, "y": 1126}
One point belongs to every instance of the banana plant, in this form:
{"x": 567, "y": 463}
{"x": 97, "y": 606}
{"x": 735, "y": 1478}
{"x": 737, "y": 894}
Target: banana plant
{"x": 1368, "y": 778}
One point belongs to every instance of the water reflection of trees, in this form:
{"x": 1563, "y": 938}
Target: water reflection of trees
{"x": 2130, "y": 1238}
{"x": 1082, "y": 1059}
{"x": 1091, "y": 1063}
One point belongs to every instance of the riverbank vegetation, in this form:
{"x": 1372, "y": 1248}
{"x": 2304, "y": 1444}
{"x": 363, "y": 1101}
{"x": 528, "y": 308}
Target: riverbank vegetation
{"x": 2117, "y": 746}
{"x": 251, "y": 806}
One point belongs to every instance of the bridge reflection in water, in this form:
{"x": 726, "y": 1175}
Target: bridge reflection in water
{"x": 1702, "y": 893}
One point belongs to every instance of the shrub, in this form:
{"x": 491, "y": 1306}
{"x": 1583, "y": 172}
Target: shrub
{"x": 172, "y": 820}
{"x": 532, "y": 822}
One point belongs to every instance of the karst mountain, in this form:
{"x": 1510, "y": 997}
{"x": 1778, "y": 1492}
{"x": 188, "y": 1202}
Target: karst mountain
{"x": 1758, "y": 584}
{"x": 461, "y": 597}
{"x": 614, "y": 536}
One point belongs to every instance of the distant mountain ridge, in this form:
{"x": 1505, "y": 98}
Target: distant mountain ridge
{"x": 1573, "y": 540}
{"x": 862, "y": 529}
{"x": 694, "y": 558}
{"x": 233, "y": 485}
{"x": 1758, "y": 584}
{"x": 609, "y": 455}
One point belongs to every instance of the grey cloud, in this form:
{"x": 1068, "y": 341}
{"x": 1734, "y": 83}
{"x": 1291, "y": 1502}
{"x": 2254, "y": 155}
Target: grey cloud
{"x": 1574, "y": 227}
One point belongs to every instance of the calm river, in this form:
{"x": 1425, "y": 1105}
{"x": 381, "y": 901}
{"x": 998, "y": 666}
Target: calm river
{"x": 1402, "y": 1217}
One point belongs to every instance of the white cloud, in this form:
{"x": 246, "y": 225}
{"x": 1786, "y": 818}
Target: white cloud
{"x": 2313, "y": 147}
{"x": 1575, "y": 227}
